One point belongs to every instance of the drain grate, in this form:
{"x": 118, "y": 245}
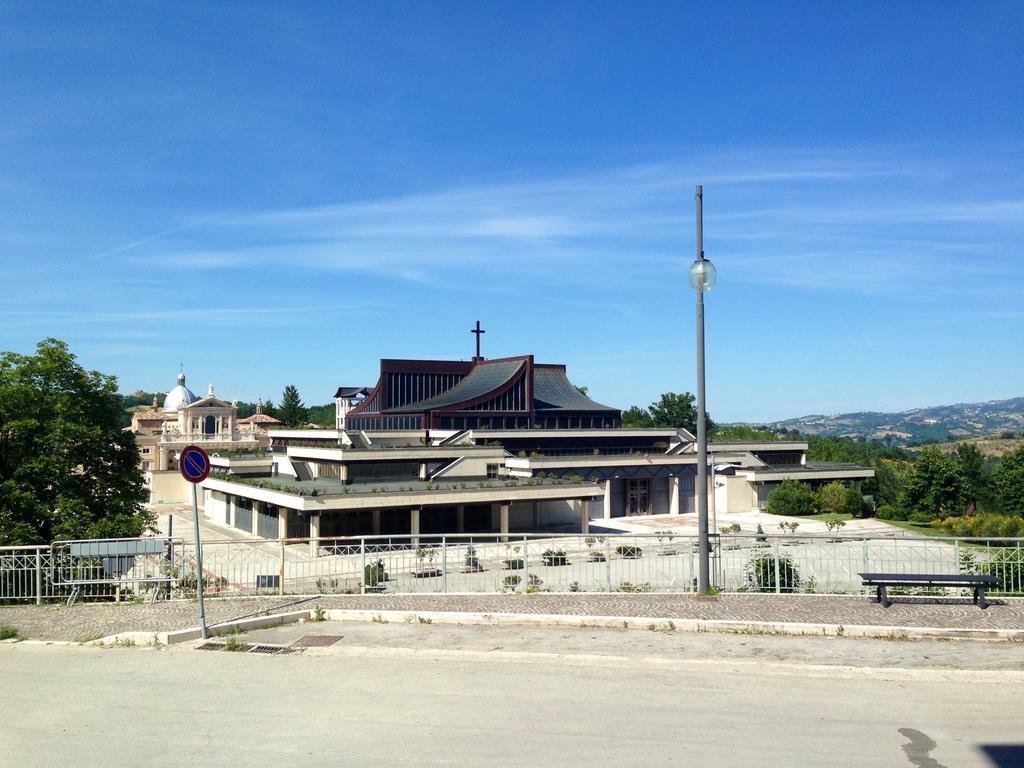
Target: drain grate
{"x": 277, "y": 650}
{"x": 316, "y": 641}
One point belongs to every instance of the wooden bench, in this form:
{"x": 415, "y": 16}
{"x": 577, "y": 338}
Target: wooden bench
{"x": 882, "y": 581}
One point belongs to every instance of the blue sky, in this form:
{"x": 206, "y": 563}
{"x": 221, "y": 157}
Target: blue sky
{"x": 284, "y": 193}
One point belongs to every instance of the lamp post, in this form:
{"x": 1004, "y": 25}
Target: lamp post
{"x": 702, "y": 278}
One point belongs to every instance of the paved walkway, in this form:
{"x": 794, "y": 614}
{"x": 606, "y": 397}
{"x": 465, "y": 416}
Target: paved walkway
{"x": 89, "y": 621}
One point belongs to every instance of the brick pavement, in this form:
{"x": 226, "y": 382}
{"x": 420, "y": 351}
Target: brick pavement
{"x": 98, "y": 619}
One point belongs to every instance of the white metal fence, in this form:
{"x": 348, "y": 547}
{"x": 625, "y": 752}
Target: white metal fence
{"x": 655, "y": 562}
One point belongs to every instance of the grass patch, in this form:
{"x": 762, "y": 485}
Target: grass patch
{"x": 828, "y": 516}
{"x": 7, "y": 632}
{"x": 922, "y": 529}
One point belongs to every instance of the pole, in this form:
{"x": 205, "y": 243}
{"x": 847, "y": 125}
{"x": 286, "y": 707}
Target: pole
{"x": 704, "y": 581}
{"x": 199, "y": 566}
{"x": 39, "y": 576}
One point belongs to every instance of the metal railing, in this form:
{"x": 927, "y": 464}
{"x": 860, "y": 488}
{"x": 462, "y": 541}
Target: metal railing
{"x": 492, "y": 563}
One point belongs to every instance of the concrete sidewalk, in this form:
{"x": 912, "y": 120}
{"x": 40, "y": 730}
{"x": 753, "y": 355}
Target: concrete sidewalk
{"x": 803, "y": 613}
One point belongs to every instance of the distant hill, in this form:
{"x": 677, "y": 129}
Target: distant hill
{"x": 919, "y": 425}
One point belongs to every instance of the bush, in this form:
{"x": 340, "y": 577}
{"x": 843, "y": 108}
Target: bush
{"x": 511, "y": 582}
{"x": 791, "y": 498}
{"x": 760, "y": 573}
{"x": 8, "y": 632}
{"x": 831, "y": 498}
{"x": 596, "y": 557}
{"x": 373, "y": 574}
{"x": 889, "y": 512}
{"x": 554, "y": 557}
{"x": 515, "y": 564}
{"x": 985, "y": 526}
{"x": 854, "y": 504}
{"x": 471, "y": 560}
{"x": 628, "y": 586}
{"x": 628, "y": 551}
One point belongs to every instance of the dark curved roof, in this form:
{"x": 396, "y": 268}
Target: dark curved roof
{"x": 351, "y": 391}
{"x": 552, "y": 390}
{"x": 484, "y": 378}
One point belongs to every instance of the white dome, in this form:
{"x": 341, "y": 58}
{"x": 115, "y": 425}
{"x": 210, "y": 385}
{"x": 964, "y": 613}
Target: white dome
{"x": 179, "y": 396}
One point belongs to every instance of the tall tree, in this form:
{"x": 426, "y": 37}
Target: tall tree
{"x": 292, "y": 411}
{"x": 67, "y": 470}
{"x": 972, "y": 464}
{"x": 1009, "y": 482}
{"x": 936, "y": 487}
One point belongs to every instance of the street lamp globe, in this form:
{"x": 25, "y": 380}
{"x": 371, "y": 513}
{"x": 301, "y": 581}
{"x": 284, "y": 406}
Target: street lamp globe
{"x": 703, "y": 275}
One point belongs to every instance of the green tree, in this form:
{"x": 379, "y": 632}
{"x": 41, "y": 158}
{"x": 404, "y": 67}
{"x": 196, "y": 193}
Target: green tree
{"x": 292, "y": 411}
{"x": 676, "y": 411}
{"x": 972, "y": 464}
{"x": 886, "y": 485}
{"x": 831, "y": 498}
{"x": 935, "y": 488}
{"x": 67, "y": 470}
{"x": 1009, "y": 482}
{"x": 791, "y": 498}
{"x": 853, "y": 504}
{"x": 637, "y": 417}
{"x": 671, "y": 410}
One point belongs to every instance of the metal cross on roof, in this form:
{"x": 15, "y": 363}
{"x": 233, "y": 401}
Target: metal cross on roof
{"x": 478, "y": 330}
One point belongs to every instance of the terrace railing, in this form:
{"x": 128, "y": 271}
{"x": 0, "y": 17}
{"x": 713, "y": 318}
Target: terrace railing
{"x": 491, "y": 563}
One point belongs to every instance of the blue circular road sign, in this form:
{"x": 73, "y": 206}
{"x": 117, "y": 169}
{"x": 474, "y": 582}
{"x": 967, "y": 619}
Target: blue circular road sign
{"x": 194, "y": 464}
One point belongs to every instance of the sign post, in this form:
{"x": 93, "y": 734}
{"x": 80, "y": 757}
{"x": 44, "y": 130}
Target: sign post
{"x": 194, "y": 465}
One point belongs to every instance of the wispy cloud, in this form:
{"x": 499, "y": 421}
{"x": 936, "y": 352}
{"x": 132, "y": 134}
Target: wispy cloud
{"x": 872, "y": 222}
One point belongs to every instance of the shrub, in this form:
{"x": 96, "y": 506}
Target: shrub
{"x": 628, "y": 551}
{"x": 8, "y": 632}
{"x": 854, "y": 504}
{"x": 791, "y": 498}
{"x": 511, "y": 582}
{"x": 373, "y": 574}
{"x": 514, "y": 564}
{"x": 831, "y": 498}
{"x": 554, "y": 557}
{"x": 889, "y": 512}
{"x": 628, "y": 586}
{"x": 834, "y": 524}
{"x": 471, "y": 560}
{"x": 760, "y": 574}
{"x": 985, "y": 526}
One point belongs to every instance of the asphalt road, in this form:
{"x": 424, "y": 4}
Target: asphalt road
{"x": 454, "y": 705}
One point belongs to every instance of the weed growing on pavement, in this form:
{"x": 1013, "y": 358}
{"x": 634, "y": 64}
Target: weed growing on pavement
{"x": 424, "y": 620}
{"x": 233, "y": 644}
{"x": 319, "y": 614}
{"x": 83, "y": 639}
{"x": 124, "y": 642}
